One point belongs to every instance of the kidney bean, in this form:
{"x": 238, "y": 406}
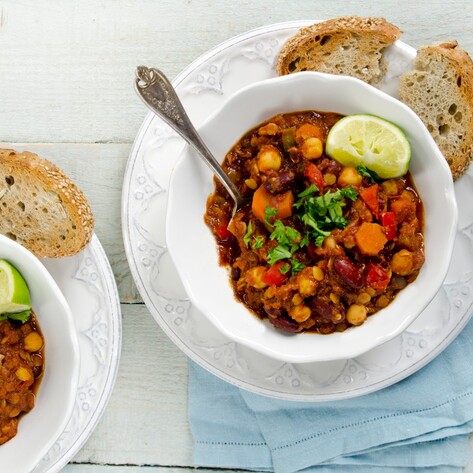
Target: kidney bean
{"x": 285, "y": 323}
{"x": 321, "y": 308}
{"x": 235, "y": 273}
{"x": 279, "y": 182}
{"x": 348, "y": 271}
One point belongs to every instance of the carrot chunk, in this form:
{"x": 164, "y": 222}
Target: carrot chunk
{"x": 281, "y": 202}
{"x": 370, "y": 238}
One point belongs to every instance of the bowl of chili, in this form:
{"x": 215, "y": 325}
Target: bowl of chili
{"x": 39, "y": 367}
{"x": 327, "y": 261}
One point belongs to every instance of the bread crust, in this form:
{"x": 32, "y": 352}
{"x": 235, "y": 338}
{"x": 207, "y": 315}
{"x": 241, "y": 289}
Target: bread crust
{"x": 46, "y": 212}
{"x": 440, "y": 91}
{"x": 357, "y": 40}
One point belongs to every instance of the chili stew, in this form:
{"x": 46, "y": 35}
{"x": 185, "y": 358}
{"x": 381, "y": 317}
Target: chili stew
{"x": 321, "y": 246}
{"x": 21, "y": 370}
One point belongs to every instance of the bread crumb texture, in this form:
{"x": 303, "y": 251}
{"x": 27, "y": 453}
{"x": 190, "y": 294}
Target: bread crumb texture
{"x": 440, "y": 90}
{"x": 40, "y": 207}
{"x": 350, "y": 46}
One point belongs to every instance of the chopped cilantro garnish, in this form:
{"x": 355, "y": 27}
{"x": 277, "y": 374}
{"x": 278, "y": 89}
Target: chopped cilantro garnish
{"x": 296, "y": 266}
{"x": 365, "y": 172}
{"x": 285, "y": 269}
{"x": 255, "y": 241}
{"x": 288, "y": 238}
{"x": 323, "y": 213}
{"x": 258, "y": 242}
{"x": 319, "y": 213}
{"x": 249, "y": 231}
{"x": 278, "y": 253}
{"x": 269, "y": 213}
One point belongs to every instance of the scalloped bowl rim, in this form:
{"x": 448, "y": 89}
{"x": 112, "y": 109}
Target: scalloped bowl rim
{"x": 194, "y": 251}
{"x": 42, "y": 426}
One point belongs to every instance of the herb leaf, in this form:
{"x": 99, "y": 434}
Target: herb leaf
{"x": 289, "y": 239}
{"x": 371, "y": 175}
{"x": 296, "y": 266}
{"x": 278, "y": 253}
{"x": 323, "y": 213}
{"x": 258, "y": 242}
{"x": 269, "y": 213}
{"x": 20, "y": 316}
{"x": 249, "y": 231}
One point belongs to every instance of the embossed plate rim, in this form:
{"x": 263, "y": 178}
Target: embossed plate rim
{"x": 95, "y": 251}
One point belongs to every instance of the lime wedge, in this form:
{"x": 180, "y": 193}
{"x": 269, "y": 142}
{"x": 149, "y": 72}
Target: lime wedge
{"x": 14, "y": 293}
{"x": 367, "y": 140}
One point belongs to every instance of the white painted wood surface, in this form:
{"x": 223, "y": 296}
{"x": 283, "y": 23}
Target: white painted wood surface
{"x": 66, "y": 74}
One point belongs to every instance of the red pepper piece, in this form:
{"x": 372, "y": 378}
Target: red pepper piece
{"x": 389, "y": 222}
{"x": 273, "y": 276}
{"x": 370, "y": 196}
{"x": 223, "y": 233}
{"x": 311, "y": 250}
{"x": 315, "y": 175}
{"x": 376, "y": 277}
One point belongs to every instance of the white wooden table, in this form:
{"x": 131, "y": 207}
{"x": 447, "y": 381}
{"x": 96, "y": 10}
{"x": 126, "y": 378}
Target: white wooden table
{"x": 66, "y": 91}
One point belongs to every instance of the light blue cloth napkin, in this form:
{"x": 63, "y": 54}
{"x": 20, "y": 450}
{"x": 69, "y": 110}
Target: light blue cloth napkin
{"x": 420, "y": 424}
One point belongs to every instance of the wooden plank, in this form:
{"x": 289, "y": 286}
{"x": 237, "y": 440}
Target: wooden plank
{"x": 146, "y": 420}
{"x": 98, "y": 170}
{"x": 67, "y": 68}
{"x": 76, "y": 468}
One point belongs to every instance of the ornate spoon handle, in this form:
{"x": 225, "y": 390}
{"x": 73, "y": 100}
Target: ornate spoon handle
{"x": 159, "y": 95}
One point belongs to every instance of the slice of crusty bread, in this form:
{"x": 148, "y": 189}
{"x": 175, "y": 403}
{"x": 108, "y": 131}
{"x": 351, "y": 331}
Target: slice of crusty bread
{"x": 40, "y": 207}
{"x": 440, "y": 90}
{"x": 349, "y": 46}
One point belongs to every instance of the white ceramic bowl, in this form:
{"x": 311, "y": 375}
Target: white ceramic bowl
{"x": 193, "y": 248}
{"x": 41, "y": 427}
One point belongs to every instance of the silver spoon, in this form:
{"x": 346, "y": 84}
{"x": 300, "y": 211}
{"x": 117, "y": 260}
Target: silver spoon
{"x": 159, "y": 95}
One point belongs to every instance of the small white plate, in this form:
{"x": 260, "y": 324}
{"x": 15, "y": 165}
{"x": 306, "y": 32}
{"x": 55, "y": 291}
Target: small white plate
{"x": 87, "y": 282}
{"x": 203, "y": 86}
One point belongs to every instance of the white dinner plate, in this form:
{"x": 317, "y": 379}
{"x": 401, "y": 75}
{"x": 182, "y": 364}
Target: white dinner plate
{"x": 87, "y": 282}
{"x": 203, "y": 86}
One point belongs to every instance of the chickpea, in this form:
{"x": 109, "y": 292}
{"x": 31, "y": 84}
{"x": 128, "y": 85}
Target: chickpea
{"x": 269, "y": 158}
{"x": 330, "y": 243}
{"x": 356, "y": 314}
{"x": 312, "y": 148}
{"x": 363, "y": 298}
{"x": 307, "y": 287}
{"x": 254, "y": 277}
{"x": 300, "y": 313}
{"x": 402, "y": 263}
{"x": 270, "y": 129}
{"x": 24, "y": 355}
{"x": 349, "y": 177}
{"x": 23, "y": 374}
{"x": 318, "y": 273}
{"x": 14, "y": 412}
{"x": 33, "y": 342}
